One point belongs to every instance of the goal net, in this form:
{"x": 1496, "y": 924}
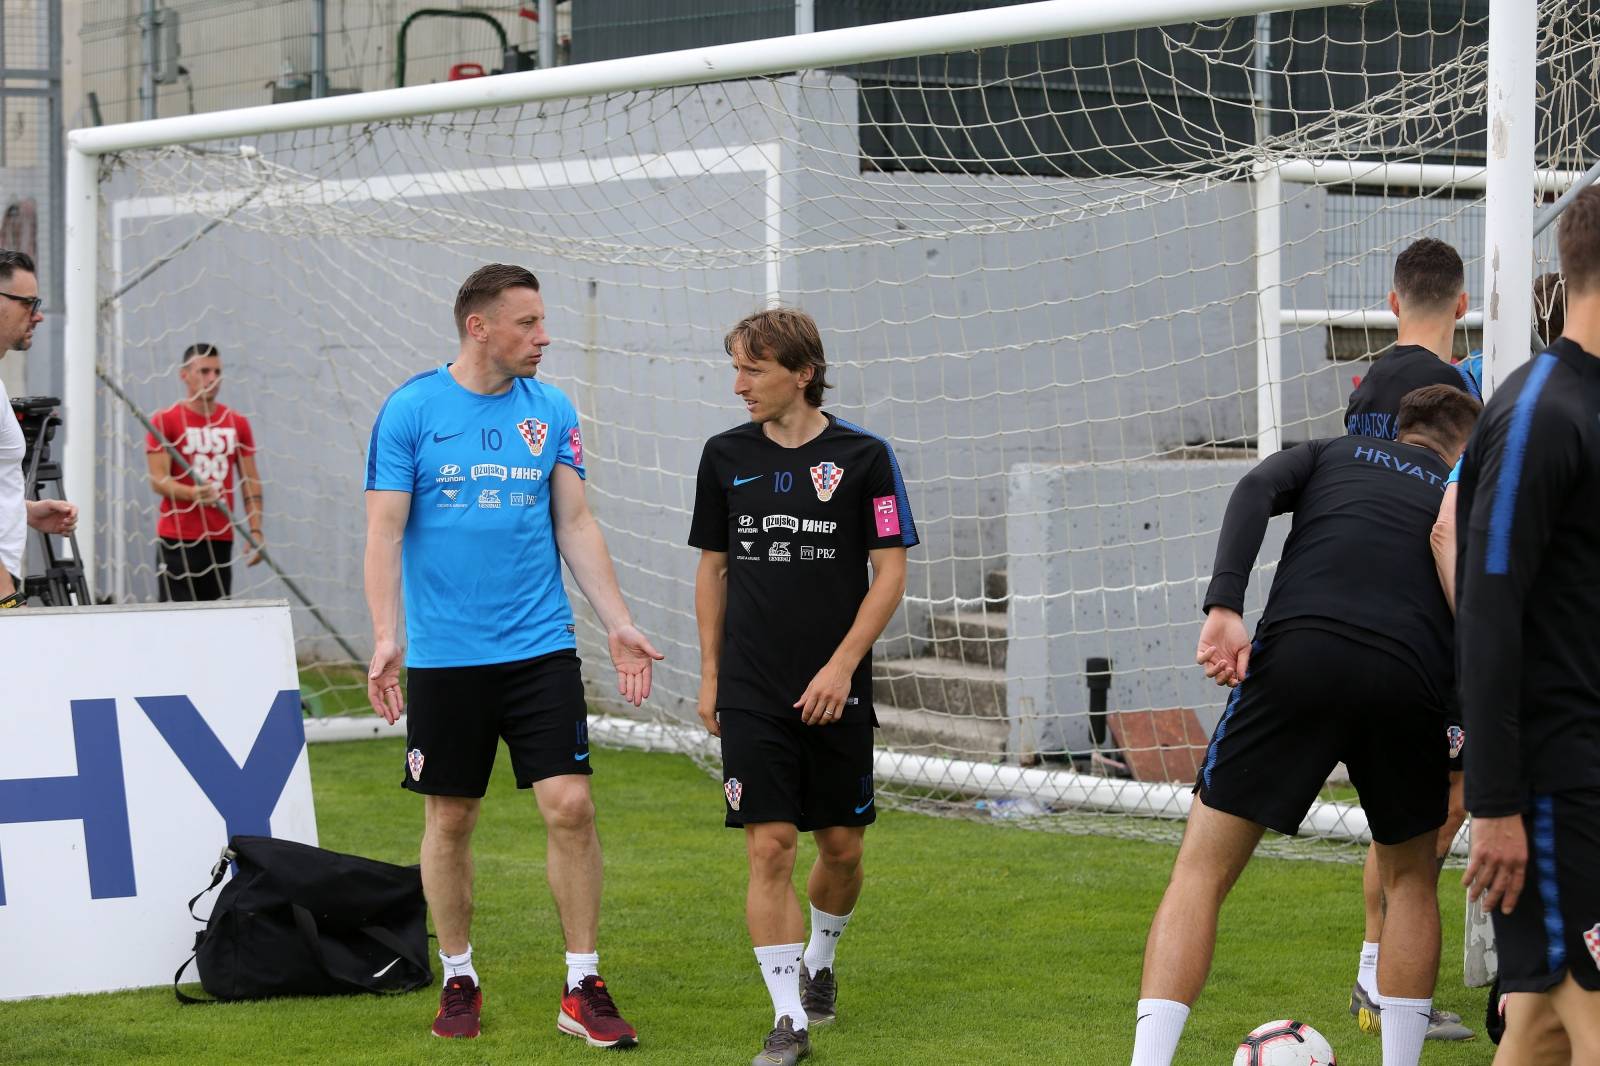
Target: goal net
{"x": 1076, "y": 282}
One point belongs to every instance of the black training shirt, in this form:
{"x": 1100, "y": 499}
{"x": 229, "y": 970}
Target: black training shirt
{"x": 1357, "y": 559}
{"x": 1374, "y": 409}
{"x": 797, "y": 524}
{"x": 1528, "y": 584}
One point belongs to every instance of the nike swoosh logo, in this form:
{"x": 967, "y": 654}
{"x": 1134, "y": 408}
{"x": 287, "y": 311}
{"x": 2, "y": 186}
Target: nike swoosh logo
{"x": 440, "y": 440}
{"x": 580, "y": 758}
{"x": 863, "y": 808}
{"x": 737, "y": 480}
{"x": 387, "y": 968}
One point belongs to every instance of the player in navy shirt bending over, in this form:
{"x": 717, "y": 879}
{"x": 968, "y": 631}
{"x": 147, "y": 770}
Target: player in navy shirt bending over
{"x": 474, "y": 499}
{"x": 1429, "y": 297}
{"x": 1352, "y": 662}
{"x": 1528, "y": 594}
{"x": 789, "y": 510}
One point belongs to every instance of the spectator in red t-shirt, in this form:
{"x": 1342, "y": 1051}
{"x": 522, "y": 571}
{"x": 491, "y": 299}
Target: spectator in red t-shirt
{"x": 195, "y": 558}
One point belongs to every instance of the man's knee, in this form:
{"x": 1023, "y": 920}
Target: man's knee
{"x": 771, "y": 847}
{"x": 450, "y": 819}
{"x": 841, "y": 850}
{"x": 568, "y": 810}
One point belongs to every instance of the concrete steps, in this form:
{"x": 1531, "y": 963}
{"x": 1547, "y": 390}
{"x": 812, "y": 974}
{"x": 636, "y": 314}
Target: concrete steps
{"x": 942, "y": 686}
{"x": 973, "y": 638}
{"x": 945, "y": 692}
{"x": 923, "y": 732}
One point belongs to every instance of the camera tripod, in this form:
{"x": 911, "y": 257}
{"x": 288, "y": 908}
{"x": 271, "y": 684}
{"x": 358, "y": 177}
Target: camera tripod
{"x": 62, "y": 584}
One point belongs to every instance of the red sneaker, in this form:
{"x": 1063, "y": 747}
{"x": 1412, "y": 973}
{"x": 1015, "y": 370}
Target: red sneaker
{"x": 588, "y": 1011}
{"x": 459, "y": 1005}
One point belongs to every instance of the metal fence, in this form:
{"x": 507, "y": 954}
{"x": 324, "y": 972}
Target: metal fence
{"x": 30, "y": 170}
{"x": 157, "y": 58}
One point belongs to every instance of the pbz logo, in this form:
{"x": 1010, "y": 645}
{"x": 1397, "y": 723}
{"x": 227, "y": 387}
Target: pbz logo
{"x": 245, "y": 795}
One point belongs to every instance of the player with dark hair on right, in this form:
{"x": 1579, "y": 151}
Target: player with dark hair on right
{"x": 1429, "y": 297}
{"x": 1528, "y": 650}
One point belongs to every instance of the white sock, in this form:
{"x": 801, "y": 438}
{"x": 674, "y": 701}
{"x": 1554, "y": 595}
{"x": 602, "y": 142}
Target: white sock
{"x": 459, "y": 965}
{"x": 1367, "y": 972}
{"x": 581, "y": 966}
{"x": 826, "y": 929}
{"x": 1156, "y": 1031}
{"x": 1405, "y": 1026}
{"x": 780, "y": 967}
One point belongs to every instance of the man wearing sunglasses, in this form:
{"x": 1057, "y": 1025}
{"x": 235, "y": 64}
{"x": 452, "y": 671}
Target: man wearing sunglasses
{"x": 19, "y": 315}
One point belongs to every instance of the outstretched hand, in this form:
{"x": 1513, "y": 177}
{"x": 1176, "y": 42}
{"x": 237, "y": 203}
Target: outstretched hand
{"x": 1224, "y": 648}
{"x": 633, "y": 655}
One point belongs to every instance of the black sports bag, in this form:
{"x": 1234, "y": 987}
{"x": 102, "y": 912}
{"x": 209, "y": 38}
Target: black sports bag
{"x": 301, "y": 921}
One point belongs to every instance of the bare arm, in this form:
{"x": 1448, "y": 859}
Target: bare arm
{"x": 710, "y": 609}
{"x": 1443, "y": 542}
{"x": 250, "y": 487}
{"x": 824, "y": 699}
{"x": 583, "y": 547}
{"x": 165, "y": 484}
{"x": 387, "y": 513}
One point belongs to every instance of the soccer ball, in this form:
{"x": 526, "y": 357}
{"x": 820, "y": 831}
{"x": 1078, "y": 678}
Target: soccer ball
{"x": 1284, "y": 1043}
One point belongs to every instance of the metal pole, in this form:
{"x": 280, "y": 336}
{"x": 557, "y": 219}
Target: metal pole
{"x": 51, "y": 374}
{"x": 319, "y": 49}
{"x": 547, "y": 33}
{"x": 147, "y": 82}
{"x": 1551, "y": 213}
{"x": 1268, "y": 189}
{"x": 80, "y": 345}
{"x": 805, "y": 16}
{"x": 1508, "y": 214}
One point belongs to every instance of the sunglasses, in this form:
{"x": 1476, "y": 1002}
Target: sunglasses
{"x": 33, "y": 302}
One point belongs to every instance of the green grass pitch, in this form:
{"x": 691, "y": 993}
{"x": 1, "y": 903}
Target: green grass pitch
{"x": 973, "y": 944}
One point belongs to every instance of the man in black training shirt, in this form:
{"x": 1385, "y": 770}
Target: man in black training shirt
{"x": 789, "y": 509}
{"x": 1528, "y": 587}
{"x": 1352, "y": 661}
{"x": 1428, "y": 298}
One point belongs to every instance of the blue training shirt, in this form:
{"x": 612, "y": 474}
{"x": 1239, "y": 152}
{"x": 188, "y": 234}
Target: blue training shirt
{"x": 481, "y": 573}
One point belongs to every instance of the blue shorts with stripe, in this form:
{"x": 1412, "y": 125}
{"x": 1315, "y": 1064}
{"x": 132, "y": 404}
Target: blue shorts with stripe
{"x": 1313, "y": 698}
{"x": 1555, "y": 928}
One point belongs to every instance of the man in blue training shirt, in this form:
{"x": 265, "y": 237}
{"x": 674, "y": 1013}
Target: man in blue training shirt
{"x": 475, "y": 470}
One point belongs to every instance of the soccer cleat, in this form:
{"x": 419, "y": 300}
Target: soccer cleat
{"x": 460, "y": 1003}
{"x": 1442, "y": 1024}
{"x": 589, "y": 1012}
{"x": 818, "y": 994}
{"x": 1365, "y": 1010}
{"x": 1440, "y": 1027}
{"x": 784, "y": 1046}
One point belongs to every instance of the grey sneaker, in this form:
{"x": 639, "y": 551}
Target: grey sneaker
{"x": 818, "y": 994}
{"x": 784, "y": 1046}
{"x": 1440, "y": 1027}
{"x": 1442, "y": 1024}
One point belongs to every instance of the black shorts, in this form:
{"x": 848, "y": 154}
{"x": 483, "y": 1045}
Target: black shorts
{"x": 778, "y": 769}
{"x": 456, "y": 716}
{"x": 1555, "y": 928}
{"x": 1311, "y": 699}
{"x": 195, "y": 570}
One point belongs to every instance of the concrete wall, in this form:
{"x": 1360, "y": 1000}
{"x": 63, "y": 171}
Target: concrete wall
{"x": 1123, "y": 580}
